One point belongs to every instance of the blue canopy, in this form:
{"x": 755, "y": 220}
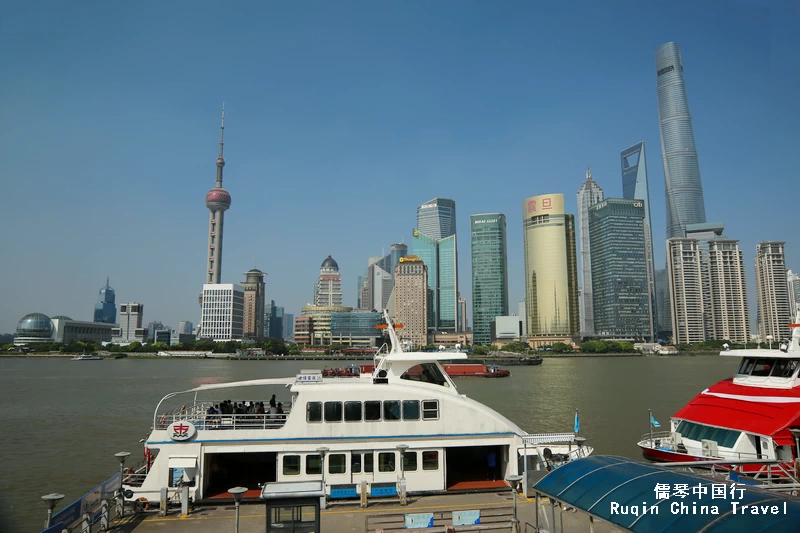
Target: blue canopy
{"x": 626, "y": 493}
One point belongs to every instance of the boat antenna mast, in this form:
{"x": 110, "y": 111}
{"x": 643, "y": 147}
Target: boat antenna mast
{"x": 396, "y": 348}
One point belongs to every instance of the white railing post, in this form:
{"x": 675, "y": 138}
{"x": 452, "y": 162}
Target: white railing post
{"x": 104, "y": 515}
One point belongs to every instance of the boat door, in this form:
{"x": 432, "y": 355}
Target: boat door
{"x": 362, "y": 466}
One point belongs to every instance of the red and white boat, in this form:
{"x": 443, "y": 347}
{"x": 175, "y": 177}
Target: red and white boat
{"x": 753, "y": 416}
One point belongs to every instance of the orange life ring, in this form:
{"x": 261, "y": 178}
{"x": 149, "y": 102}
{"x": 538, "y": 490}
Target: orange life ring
{"x": 145, "y": 503}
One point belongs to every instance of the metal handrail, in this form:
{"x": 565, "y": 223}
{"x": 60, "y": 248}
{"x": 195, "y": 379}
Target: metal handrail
{"x": 215, "y": 421}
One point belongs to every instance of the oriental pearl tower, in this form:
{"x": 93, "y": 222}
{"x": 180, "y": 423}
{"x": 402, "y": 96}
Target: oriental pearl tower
{"x": 218, "y": 200}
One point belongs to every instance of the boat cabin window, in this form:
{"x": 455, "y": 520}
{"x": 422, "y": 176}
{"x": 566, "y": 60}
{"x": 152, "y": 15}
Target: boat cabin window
{"x": 314, "y": 411}
{"x": 430, "y": 409}
{"x": 410, "y": 409}
{"x": 355, "y": 463}
{"x": 291, "y": 465}
{"x": 372, "y": 411}
{"x": 369, "y": 466}
{"x": 762, "y": 367}
{"x": 337, "y": 463}
{"x": 352, "y": 411}
{"x": 426, "y": 373}
{"x": 698, "y": 432}
{"x": 410, "y": 462}
{"x": 313, "y": 465}
{"x": 430, "y": 460}
{"x": 333, "y": 411}
{"x": 386, "y": 462}
{"x": 391, "y": 410}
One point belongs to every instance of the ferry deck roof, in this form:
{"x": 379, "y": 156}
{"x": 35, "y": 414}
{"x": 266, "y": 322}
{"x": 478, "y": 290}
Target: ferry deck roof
{"x": 593, "y": 483}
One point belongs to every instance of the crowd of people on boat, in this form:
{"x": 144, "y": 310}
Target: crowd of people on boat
{"x": 215, "y": 414}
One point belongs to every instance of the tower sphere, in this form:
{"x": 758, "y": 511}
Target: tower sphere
{"x": 218, "y": 199}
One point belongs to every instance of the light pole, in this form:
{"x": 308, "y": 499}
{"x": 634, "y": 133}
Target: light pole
{"x": 237, "y": 493}
{"x": 402, "y": 449}
{"x": 51, "y": 500}
{"x": 513, "y": 481}
{"x": 121, "y": 457}
{"x": 322, "y": 450}
{"x": 769, "y": 340}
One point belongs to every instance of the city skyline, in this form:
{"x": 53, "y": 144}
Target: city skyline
{"x": 151, "y": 135}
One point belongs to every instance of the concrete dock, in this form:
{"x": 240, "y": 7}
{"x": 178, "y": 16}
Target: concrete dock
{"x": 351, "y": 518}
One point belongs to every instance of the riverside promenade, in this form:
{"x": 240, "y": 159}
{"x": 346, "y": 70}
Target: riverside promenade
{"x": 353, "y": 519}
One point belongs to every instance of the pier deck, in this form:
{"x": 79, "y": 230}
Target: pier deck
{"x": 348, "y": 518}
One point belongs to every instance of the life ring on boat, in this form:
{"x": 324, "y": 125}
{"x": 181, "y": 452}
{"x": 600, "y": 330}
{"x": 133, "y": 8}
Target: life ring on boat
{"x": 144, "y": 502}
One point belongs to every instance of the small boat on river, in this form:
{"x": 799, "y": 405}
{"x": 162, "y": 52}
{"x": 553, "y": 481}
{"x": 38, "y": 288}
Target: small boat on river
{"x": 86, "y": 357}
{"x": 753, "y": 416}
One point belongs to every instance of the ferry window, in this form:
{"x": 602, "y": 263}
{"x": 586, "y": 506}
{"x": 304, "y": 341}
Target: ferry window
{"x": 314, "y": 411}
{"x": 337, "y": 463}
{"x": 430, "y": 409}
{"x": 427, "y": 373}
{"x": 369, "y": 466}
{"x": 355, "y": 463}
{"x": 747, "y": 366}
{"x": 386, "y": 462}
{"x": 410, "y": 409}
{"x": 352, "y": 411}
{"x": 699, "y": 432}
{"x": 430, "y": 460}
{"x": 784, "y": 368}
{"x": 391, "y": 410}
{"x": 313, "y": 465}
{"x": 372, "y": 411}
{"x": 763, "y": 367}
{"x": 333, "y": 411}
{"x": 410, "y": 462}
{"x": 291, "y": 465}
{"x": 176, "y": 476}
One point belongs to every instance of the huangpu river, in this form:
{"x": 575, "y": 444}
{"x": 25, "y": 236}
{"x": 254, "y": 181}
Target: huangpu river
{"x": 63, "y": 421}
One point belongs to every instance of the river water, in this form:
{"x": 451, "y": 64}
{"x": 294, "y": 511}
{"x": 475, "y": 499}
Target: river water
{"x": 63, "y": 421}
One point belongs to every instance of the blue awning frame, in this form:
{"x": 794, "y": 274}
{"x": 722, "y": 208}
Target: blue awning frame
{"x": 591, "y": 485}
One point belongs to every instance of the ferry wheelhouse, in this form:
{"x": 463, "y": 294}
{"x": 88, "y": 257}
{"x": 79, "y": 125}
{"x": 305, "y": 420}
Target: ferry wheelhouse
{"x": 752, "y": 416}
{"x": 405, "y": 419}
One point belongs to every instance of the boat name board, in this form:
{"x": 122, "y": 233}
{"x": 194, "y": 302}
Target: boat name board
{"x": 309, "y": 378}
{"x": 181, "y": 430}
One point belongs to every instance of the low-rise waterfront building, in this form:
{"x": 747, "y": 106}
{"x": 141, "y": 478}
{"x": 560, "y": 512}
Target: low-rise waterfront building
{"x": 37, "y": 328}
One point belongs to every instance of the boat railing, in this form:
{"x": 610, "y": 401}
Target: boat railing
{"x": 770, "y": 471}
{"x": 532, "y": 439}
{"x": 663, "y": 440}
{"x": 664, "y": 437}
{"x": 207, "y": 421}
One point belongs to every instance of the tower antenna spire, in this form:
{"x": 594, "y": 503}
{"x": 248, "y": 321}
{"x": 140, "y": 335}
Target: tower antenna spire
{"x": 220, "y": 160}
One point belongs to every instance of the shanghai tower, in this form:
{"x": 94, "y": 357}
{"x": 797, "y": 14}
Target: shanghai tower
{"x": 684, "y": 190}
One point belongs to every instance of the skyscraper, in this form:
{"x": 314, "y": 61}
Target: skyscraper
{"x": 663, "y": 316}
{"x": 329, "y": 284}
{"x": 684, "y": 190}
{"x": 588, "y": 195}
{"x": 254, "y": 293}
{"x": 772, "y": 291}
{"x": 686, "y": 290}
{"x": 636, "y": 187}
{"x": 436, "y": 218}
{"x": 411, "y": 299}
{"x": 551, "y": 277}
{"x": 793, "y": 281}
{"x": 130, "y": 324}
{"x": 218, "y": 200}
{"x": 435, "y": 243}
{"x": 375, "y": 285}
{"x": 727, "y": 290}
{"x": 105, "y": 310}
{"x": 623, "y": 305}
{"x": 489, "y": 273}
{"x": 223, "y": 312}
{"x": 704, "y": 233}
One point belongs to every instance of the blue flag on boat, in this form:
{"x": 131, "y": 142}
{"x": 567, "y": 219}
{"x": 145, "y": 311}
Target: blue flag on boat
{"x": 654, "y": 421}
{"x": 577, "y": 422}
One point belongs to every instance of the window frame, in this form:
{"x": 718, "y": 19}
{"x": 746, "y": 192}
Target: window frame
{"x": 370, "y": 403}
{"x": 426, "y": 462}
{"x": 309, "y": 406}
{"x": 391, "y": 460}
{"x": 337, "y": 456}
{"x": 317, "y": 457}
{"x": 387, "y": 405}
{"x": 424, "y": 410}
{"x": 299, "y": 465}
{"x": 360, "y": 412}
{"x": 333, "y": 404}
{"x": 419, "y": 409}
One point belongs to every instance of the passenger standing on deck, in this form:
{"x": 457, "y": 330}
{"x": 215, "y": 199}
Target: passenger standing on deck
{"x": 491, "y": 460}
{"x": 272, "y": 401}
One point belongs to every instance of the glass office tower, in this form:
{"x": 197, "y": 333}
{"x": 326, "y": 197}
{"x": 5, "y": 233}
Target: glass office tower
{"x": 437, "y": 218}
{"x": 623, "y": 305}
{"x": 684, "y": 190}
{"x": 551, "y": 274}
{"x": 489, "y": 273}
{"x": 589, "y": 194}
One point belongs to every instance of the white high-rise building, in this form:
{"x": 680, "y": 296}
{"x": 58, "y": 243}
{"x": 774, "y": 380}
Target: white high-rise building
{"x": 727, "y": 305}
{"x": 223, "y": 312}
{"x": 685, "y": 290}
{"x": 793, "y": 281}
{"x": 589, "y": 194}
{"x": 329, "y": 285}
{"x": 130, "y": 325}
{"x": 774, "y": 309}
{"x": 522, "y": 316}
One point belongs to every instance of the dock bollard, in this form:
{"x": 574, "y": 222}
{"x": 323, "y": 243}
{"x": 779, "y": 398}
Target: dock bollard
{"x": 162, "y": 508}
{"x": 185, "y": 501}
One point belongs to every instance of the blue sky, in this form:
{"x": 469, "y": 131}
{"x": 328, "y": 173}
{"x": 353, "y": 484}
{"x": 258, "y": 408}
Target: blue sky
{"x": 342, "y": 117}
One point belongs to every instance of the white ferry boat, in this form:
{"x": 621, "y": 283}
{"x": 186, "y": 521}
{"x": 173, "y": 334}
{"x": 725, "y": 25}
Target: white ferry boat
{"x": 342, "y": 431}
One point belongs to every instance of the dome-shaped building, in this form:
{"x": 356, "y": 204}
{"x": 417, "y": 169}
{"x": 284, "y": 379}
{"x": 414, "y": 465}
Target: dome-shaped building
{"x": 34, "y": 327}
{"x": 329, "y": 284}
{"x": 329, "y": 262}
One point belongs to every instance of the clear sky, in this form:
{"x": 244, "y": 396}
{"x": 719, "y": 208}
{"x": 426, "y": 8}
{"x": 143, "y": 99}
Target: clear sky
{"x": 342, "y": 117}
